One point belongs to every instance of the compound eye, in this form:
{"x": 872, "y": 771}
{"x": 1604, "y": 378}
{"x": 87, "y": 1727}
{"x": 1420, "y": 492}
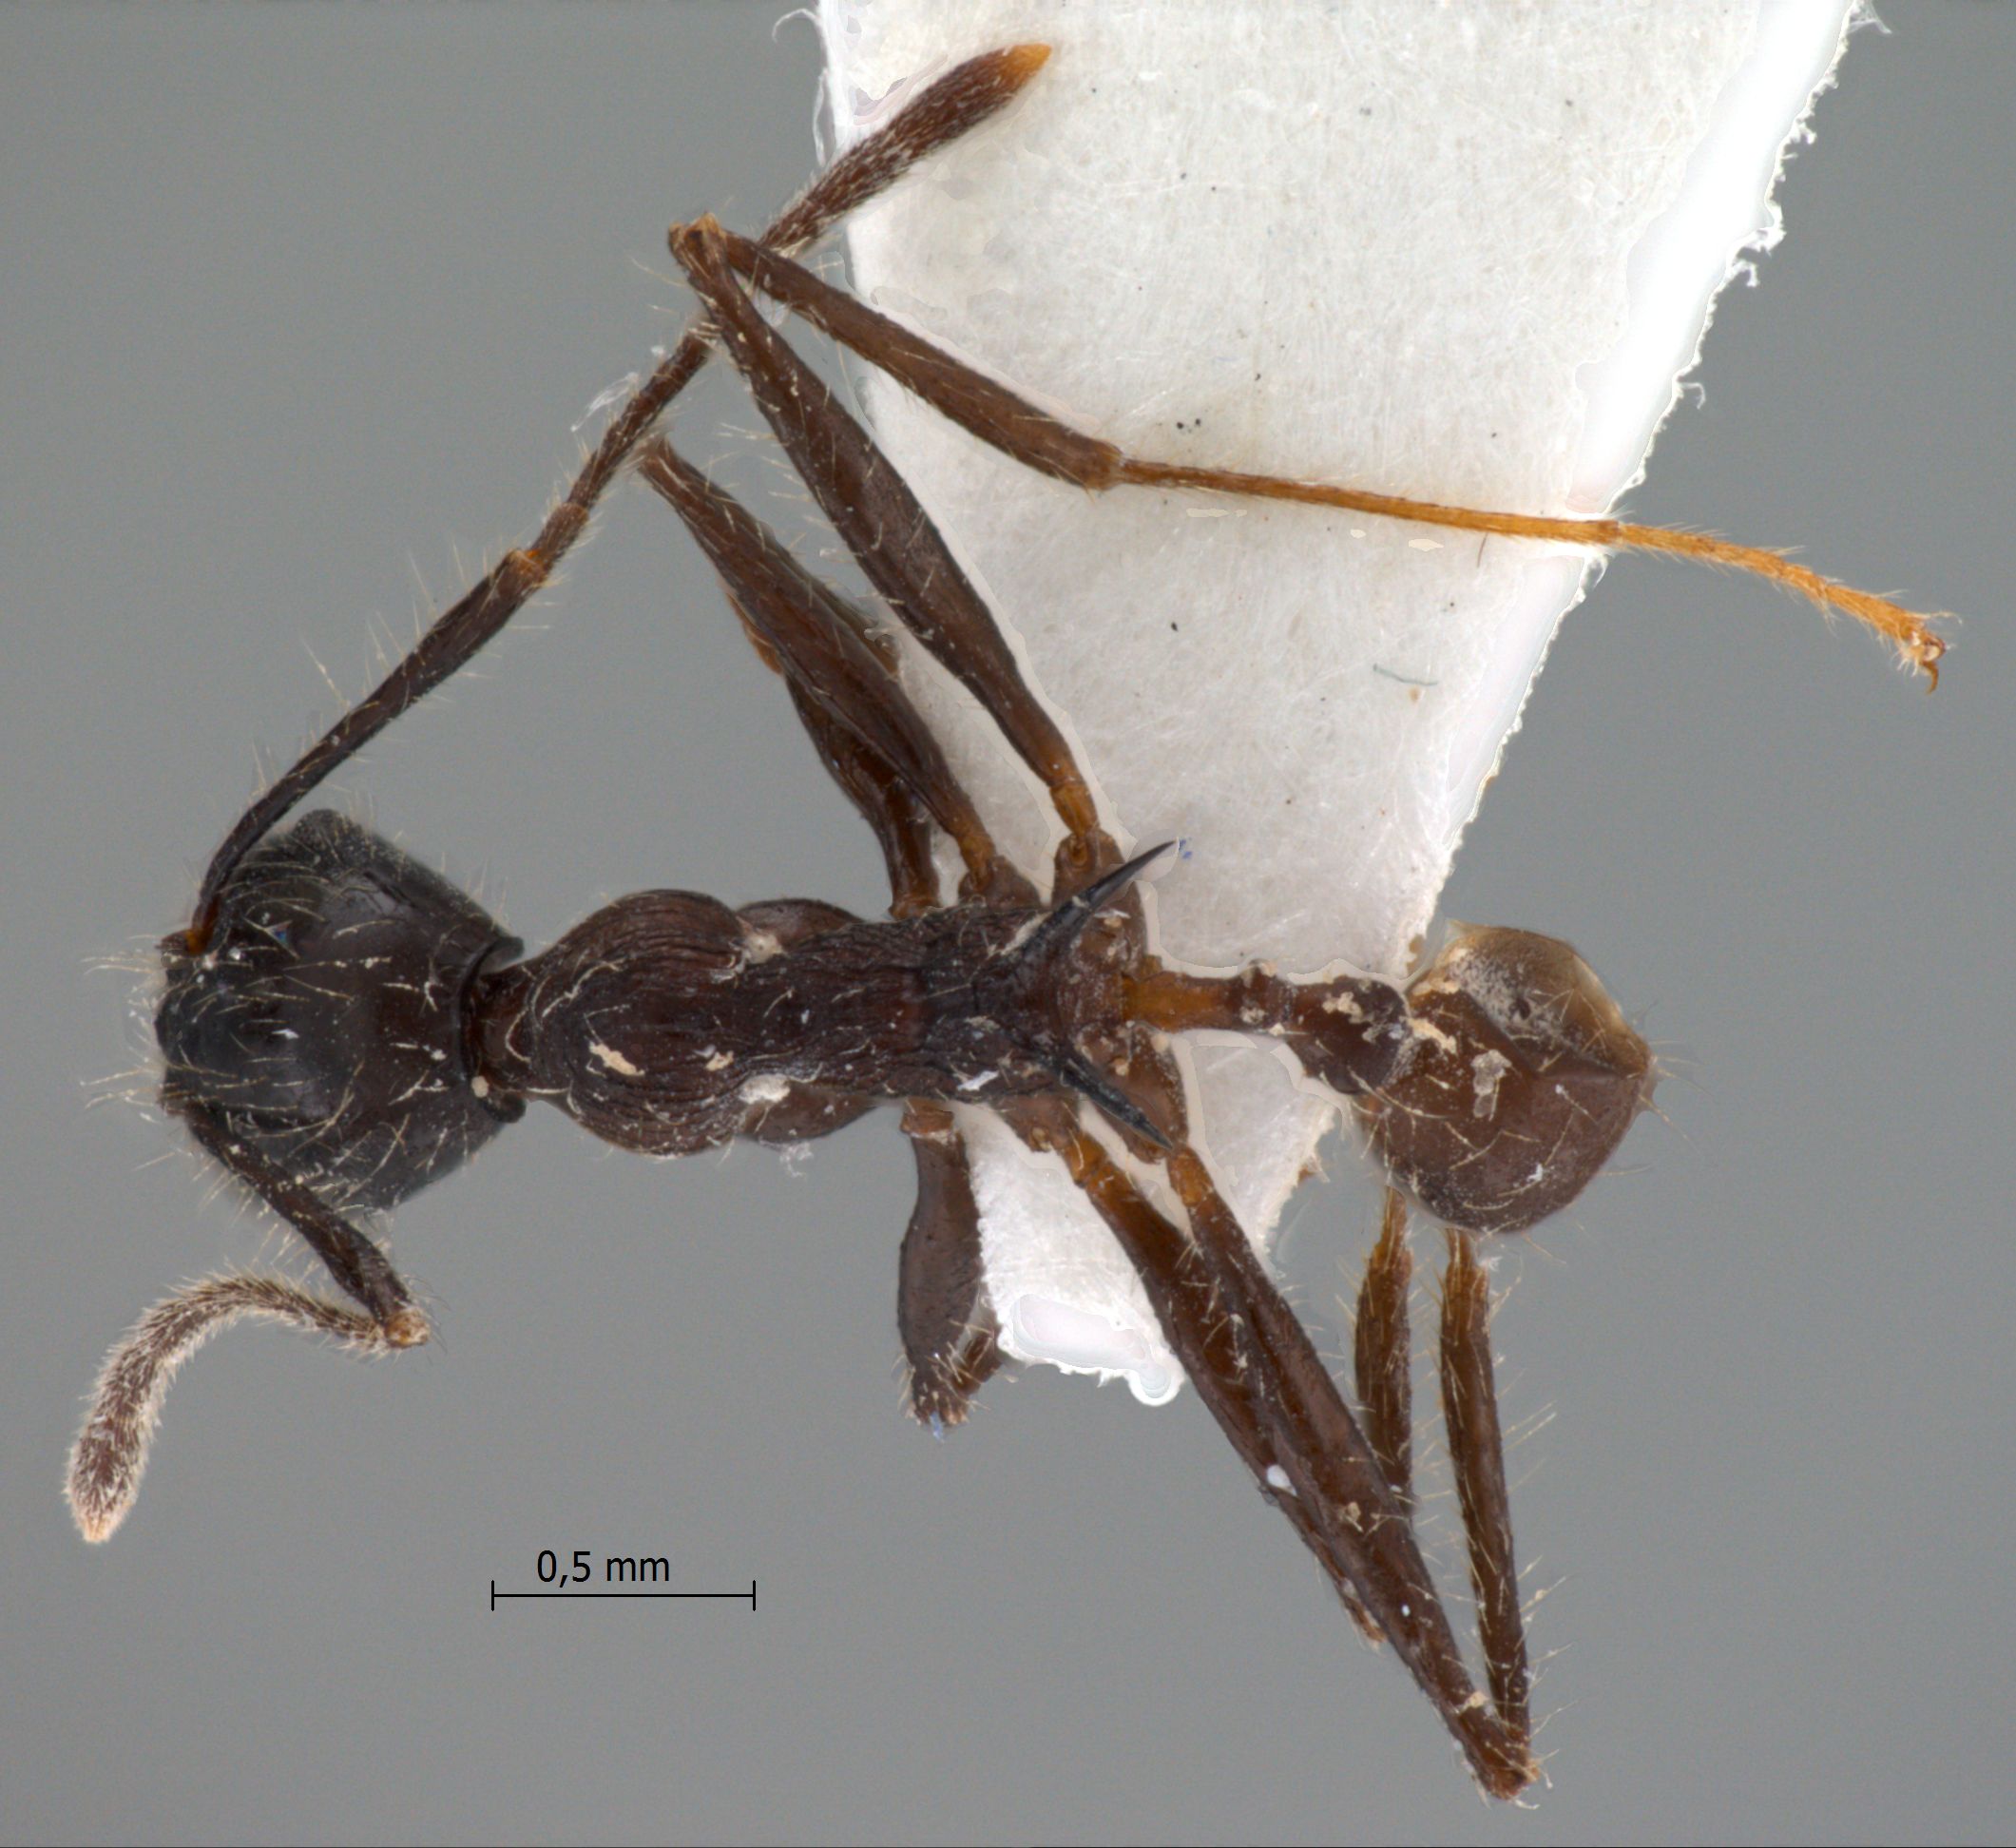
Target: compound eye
{"x": 1524, "y": 1078}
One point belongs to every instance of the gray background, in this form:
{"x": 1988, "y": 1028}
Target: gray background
{"x": 298, "y": 306}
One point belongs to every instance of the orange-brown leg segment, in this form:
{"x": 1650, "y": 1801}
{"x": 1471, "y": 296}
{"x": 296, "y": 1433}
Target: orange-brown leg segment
{"x": 1033, "y": 437}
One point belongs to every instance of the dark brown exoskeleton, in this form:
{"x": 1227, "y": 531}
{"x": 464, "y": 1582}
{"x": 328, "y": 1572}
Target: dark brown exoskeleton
{"x": 340, "y": 1026}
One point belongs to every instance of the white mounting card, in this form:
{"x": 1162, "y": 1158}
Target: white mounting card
{"x": 1461, "y": 251}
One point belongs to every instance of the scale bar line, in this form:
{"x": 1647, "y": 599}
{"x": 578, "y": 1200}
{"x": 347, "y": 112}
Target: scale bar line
{"x": 735, "y": 1597}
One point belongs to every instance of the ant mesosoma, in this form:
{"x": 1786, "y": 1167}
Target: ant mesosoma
{"x": 340, "y": 1026}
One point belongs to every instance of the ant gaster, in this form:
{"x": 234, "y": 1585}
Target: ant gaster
{"x": 340, "y": 1026}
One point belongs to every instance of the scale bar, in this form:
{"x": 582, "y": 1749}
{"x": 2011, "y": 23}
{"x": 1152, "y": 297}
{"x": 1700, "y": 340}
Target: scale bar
{"x": 736, "y": 1597}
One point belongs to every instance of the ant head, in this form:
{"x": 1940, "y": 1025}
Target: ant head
{"x": 324, "y": 1020}
{"x": 1523, "y": 1079}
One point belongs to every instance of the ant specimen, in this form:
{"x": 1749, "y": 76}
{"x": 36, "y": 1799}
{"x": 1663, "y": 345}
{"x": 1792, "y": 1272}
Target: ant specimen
{"x": 340, "y": 1026}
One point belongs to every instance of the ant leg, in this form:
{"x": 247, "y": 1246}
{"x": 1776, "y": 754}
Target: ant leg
{"x": 836, "y": 665}
{"x": 997, "y": 416}
{"x": 1257, "y": 1371}
{"x": 889, "y": 533}
{"x": 942, "y": 1310}
{"x": 959, "y": 100}
{"x": 1382, "y": 1355}
{"x": 991, "y": 412}
{"x": 901, "y": 824}
{"x": 1469, "y": 1411}
{"x": 1324, "y": 1451}
{"x": 111, "y": 1450}
{"x": 1198, "y": 1314}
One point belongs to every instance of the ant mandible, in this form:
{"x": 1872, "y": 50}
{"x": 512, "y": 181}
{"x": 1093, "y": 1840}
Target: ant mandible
{"x": 340, "y": 1025}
